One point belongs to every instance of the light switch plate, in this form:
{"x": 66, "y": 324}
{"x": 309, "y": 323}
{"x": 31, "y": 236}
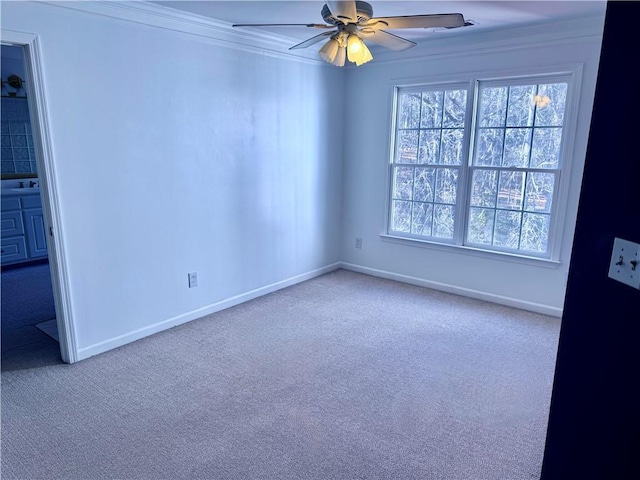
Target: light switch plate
{"x": 625, "y": 262}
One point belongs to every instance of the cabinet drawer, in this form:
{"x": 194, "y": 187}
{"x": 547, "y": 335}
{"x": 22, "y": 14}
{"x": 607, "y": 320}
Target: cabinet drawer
{"x": 14, "y": 249}
{"x": 32, "y": 201}
{"x": 11, "y": 224}
{"x": 10, "y": 203}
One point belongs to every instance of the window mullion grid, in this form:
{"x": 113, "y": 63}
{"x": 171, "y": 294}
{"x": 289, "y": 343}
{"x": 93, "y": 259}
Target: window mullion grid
{"x": 512, "y": 169}
{"x": 463, "y": 200}
{"x": 524, "y": 192}
{"x": 527, "y": 171}
{"x": 414, "y": 167}
{"x": 504, "y": 137}
{"x": 466, "y": 171}
{"x": 504, "y": 129}
{"x": 533, "y": 121}
{"x": 438, "y": 164}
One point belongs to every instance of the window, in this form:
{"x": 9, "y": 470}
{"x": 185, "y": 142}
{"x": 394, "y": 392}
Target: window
{"x": 480, "y": 167}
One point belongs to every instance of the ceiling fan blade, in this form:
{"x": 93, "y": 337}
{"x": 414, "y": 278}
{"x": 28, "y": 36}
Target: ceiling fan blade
{"x": 389, "y": 40}
{"x": 445, "y": 20}
{"x": 344, "y": 11}
{"x": 312, "y": 40}
{"x": 312, "y": 25}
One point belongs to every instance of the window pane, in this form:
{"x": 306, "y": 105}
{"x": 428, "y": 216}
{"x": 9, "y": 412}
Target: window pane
{"x": 535, "y": 232}
{"x": 403, "y": 183}
{"x": 431, "y": 110}
{"x": 452, "y": 147}
{"x": 545, "y": 151}
{"x": 539, "y": 194}
{"x": 493, "y": 105}
{"x": 401, "y": 216}
{"x": 407, "y": 147}
{"x": 511, "y": 190}
{"x": 489, "y": 149}
{"x": 424, "y": 184}
{"x": 484, "y": 188}
{"x": 550, "y": 112}
{"x": 409, "y": 110}
{"x": 443, "y": 217}
{"x": 429, "y": 146}
{"x": 422, "y": 219}
{"x": 510, "y": 173}
{"x": 455, "y": 104}
{"x": 507, "y": 232}
{"x": 481, "y": 225}
{"x": 520, "y": 112}
{"x": 433, "y": 137}
{"x": 446, "y": 185}
{"x": 517, "y": 142}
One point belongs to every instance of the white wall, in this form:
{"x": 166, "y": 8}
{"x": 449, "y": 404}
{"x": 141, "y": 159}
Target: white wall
{"x": 175, "y": 155}
{"x": 369, "y": 92}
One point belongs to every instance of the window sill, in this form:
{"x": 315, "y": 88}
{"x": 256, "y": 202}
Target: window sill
{"x": 476, "y": 252}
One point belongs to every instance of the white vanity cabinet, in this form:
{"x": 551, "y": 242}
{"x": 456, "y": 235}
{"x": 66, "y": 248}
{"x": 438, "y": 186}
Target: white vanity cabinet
{"x": 23, "y": 230}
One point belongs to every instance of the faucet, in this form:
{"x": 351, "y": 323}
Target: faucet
{"x": 32, "y": 184}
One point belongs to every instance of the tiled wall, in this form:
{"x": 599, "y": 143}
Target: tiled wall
{"x": 17, "y": 155}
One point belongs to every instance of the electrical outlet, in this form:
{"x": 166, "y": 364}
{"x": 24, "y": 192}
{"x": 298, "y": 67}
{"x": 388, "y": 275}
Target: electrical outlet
{"x": 625, "y": 266}
{"x": 358, "y": 242}
{"x": 193, "y": 279}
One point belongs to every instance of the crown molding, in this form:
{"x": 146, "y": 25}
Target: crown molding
{"x": 201, "y": 28}
{"x": 577, "y": 30}
{"x": 222, "y": 33}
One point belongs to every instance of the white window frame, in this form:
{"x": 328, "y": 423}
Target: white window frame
{"x": 572, "y": 74}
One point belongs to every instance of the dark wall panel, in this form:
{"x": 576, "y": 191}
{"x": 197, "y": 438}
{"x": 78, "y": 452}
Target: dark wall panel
{"x": 594, "y": 422}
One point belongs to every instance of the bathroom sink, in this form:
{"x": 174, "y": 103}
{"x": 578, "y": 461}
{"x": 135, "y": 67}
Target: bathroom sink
{"x": 26, "y": 189}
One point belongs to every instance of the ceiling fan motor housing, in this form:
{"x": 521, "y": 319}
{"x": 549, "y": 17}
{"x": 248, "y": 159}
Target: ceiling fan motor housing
{"x": 363, "y": 10}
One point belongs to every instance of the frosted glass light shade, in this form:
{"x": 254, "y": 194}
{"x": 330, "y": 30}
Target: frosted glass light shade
{"x": 366, "y": 55}
{"x": 336, "y": 51}
{"x": 340, "y": 57}
{"x": 329, "y": 51}
{"x": 354, "y": 48}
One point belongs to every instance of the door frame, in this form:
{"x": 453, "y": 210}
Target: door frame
{"x": 39, "y": 116}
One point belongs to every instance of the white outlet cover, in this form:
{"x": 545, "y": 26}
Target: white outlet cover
{"x": 621, "y": 267}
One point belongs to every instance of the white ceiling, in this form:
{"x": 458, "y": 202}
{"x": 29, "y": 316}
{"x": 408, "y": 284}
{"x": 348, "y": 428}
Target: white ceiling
{"x": 486, "y": 15}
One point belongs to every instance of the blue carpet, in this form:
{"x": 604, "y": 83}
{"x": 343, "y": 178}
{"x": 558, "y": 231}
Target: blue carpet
{"x": 27, "y": 300}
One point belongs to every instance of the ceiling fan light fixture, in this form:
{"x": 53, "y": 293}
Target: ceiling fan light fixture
{"x": 357, "y": 51}
{"x": 340, "y": 57}
{"x": 350, "y": 20}
{"x": 329, "y": 50}
{"x": 354, "y": 48}
{"x": 366, "y": 55}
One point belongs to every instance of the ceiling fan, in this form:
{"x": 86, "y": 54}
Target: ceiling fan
{"x": 351, "y": 22}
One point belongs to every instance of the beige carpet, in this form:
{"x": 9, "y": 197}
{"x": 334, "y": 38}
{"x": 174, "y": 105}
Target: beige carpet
{"x": 345, "y": 376}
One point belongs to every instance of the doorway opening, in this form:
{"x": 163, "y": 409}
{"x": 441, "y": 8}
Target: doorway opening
{"x": 35, "y": 308}
{"x": 28, "y": 319}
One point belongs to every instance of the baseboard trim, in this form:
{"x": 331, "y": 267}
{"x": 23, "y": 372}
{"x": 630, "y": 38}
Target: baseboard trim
{"x": 130, "y": 337}
{"x": 465, "y": 292}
